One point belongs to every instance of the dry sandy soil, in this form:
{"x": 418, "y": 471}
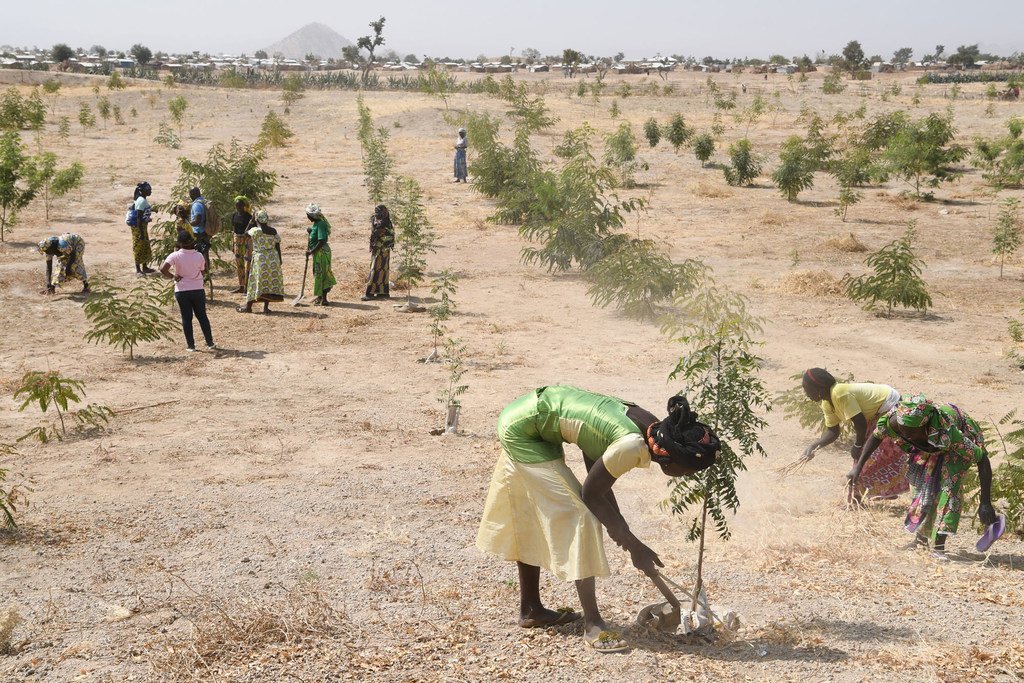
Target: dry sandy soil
{"x": 284, "y": 514}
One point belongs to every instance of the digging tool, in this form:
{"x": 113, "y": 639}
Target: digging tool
{"x": 302, "y": 292}
{"x": 664, "y": 616}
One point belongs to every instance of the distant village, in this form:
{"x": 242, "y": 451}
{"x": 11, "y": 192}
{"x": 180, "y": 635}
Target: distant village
{"x": 104, "y": 62}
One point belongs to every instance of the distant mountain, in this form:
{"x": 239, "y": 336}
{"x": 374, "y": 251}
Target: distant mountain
{"x": 314, "y": 38}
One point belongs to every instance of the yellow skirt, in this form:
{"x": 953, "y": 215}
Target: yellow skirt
{"x": 535, "y": 514}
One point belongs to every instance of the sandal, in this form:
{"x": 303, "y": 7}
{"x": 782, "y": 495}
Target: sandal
{"x": 566, "y": 615}
{"x": 241, "y": 309}
{"x": 607, "y": 642}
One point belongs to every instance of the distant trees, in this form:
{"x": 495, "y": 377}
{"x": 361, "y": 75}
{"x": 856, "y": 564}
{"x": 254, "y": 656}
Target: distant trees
{"x": 531, "y": 55}
{"x": 141, "y": 54}
{"x": 61, "y": 53}
{"x": 853, "y": 56}
{"x": 571, "y": 60}
{"x": 98, "y": 50}
{"x": 371, "y": 43}
{"x": 260, "y": 54}
{"x": 902, "y": 55}
{"x": 965, "y": 56}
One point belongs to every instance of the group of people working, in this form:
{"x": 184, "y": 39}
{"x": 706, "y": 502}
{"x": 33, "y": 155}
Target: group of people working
{"x": 256, "y": 246}
{"x": 539, "y": 515}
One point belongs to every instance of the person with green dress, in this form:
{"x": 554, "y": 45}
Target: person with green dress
{"x": 320, "y": 251}
{"x": 141, "y": 249}
{"x": 942, "y": 443}
{"x": 266, "y": 279}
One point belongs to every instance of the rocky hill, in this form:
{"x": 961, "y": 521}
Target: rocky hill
{"x": 320, "y": 40}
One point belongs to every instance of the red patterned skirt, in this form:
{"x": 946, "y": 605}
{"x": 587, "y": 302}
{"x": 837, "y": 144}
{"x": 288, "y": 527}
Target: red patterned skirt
{"x": 885, "y": 473}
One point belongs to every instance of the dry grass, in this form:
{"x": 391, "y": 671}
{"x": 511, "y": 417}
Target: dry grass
{"x": 813, "y": 282}
{"x": 772, "y": 218}
{"x": 848, "y": 243}
{"x": 8, "y": 622}
{"x": 905, "y": 202}
{"x": 231, "y": 633}
{"x": 709, "y": 191}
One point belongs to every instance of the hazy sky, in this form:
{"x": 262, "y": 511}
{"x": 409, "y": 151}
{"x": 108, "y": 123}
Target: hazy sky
{"x": 739, "y": 28}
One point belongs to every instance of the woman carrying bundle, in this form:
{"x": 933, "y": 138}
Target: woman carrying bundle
{"x": 266, "y": 279}
{"x": 537, "y": 513}
{"x": 320, "y": 251}
{"x": 942, "y": 443}
{"x": 885, "y": 474}
{"x": 69, "y": 250}
{"x": 141, "y": 248}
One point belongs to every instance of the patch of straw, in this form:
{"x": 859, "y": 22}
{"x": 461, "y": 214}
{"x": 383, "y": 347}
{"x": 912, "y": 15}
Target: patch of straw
{"x": 772, "y": 218}
{"x": 8, "y": 622}
{"x": 703, "y": 189}
{"x": 848, "y": 243}
{"x": 813, "y": 282}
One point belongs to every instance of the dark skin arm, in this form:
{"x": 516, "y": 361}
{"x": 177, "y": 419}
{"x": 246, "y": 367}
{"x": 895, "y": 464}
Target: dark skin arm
{"x": 165, "y": 270}
{"x": 600, "y": 500}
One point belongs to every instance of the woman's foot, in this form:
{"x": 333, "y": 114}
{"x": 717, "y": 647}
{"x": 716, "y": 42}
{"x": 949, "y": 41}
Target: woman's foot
{"x": 316, "y": 300}
{"x": 604, "y": 641}
{"x": 547, "y": 617}
{"x": 244, "y": 309}
{"x": 266, "y": 308}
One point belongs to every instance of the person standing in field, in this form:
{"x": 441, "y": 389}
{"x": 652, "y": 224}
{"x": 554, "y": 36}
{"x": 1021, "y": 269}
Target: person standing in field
{"x": 885, "y": 472}
{"x": 69, "y": 250}
{"x": 942, "y": 443}
{"x": 142, "y": 251}
{"x": 539, "y": 516}
{"x": 461, "y": 144}
{"x": 198, "y": 218}
{"x": 320, "y": 251}
{"x": 266, "y": 278}
{"x": 188, "y": 265}
{"x": 382, "y": 241}
{"x": 241, "y": 221}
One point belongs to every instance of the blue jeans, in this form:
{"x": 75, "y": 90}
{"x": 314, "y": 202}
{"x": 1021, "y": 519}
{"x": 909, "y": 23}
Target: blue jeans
{"x": 193, "y": 302}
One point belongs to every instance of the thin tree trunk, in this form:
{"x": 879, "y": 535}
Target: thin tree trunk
{"x": 700, "y": 555}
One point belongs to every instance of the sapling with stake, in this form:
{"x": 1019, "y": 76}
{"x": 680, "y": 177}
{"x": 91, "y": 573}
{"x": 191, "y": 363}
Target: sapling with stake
{"x": 1007, "y": 237}
{"x": 451, "y": 393}
{"x": 443, "y": 286}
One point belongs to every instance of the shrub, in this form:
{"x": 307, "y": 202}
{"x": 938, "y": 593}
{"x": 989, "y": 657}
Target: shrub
{"x": 415, "y": 236}
{"x": 745, "y": 165}
{"x": 177, "y": 107}
{"x": 21, "y": 113}
{"x": 703, "y": 148}
{"x": 452, "y": 391}
{"x": 46, "y": 389}
{"x": 115, "y": 82}
{"x": 274, "y": 132}
{"x": 12, "y": 496}
{"x": 85, "y": 116}
{"x": 127, "y": 318}
{"x": 1002, "y": 159}
{"x": 796, "y": 168}
{"x": 896, "y": 280}
{"x": 18, "y": 181}
{"x": 652, "y": 131}
{"x": 638, "y": 278}
{"x": 443, "y": 286}
{"x": 921, "y": 152}
{"x": 54, "y": 183}
{"x": 614, "y": 111}
{"x": 64, "y": 129}
{"x": 1008, "y": 477}
{"x": 833, "y": 84}
{"x": 620, "y": 153}
{"x": 292, "y": 89}
{"x": 167, "y": 137}
{"x": 377, "y": 161}
{"x": 678, "y": 133}
{"x": 847, "y": 198}
{"x": 103, "y": 107}
{"x": 1007, "y": 237}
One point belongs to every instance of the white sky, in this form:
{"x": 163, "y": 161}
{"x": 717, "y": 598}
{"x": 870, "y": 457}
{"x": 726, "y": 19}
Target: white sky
{"x": 740, "y": 28}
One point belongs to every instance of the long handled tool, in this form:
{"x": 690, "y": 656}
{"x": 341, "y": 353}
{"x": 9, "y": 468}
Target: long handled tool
{"x": 302, "y": 292}
{"x": 665, "y": 616}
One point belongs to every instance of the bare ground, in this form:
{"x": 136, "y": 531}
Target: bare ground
{"x": 284, "y": 514}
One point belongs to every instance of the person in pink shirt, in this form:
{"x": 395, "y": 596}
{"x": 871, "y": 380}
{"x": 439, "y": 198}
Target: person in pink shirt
{"x": 188, "y": 265}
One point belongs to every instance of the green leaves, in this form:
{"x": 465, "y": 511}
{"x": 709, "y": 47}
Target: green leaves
{"x": 18, "y": 180}
{"x": 1007, "y": 236}
{"x": 126, "y": 318}
{"x": 896, "y": 280}
{"x": 920, "y": 152}
{"x": 377, "y": 161}
{"x": 416, "y": 236}
{"x": 703, "y": 148}
{"x": 620, "y": 150}
{"x": 796, "y": 170}
{"x": 745, "y": 164}
{"x": 46, "y": 389}
{"x": 21, "y": 113}
{"x": 274, "y": 132}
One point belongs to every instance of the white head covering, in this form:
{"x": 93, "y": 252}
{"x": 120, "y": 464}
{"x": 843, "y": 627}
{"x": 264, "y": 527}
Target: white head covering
{"x": 313, "y": 209}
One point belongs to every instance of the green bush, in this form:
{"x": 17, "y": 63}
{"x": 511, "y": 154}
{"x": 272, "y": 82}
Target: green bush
{"x": 18, "y": 180}
{"x": 833, "y": 84}
{"x": 922, "y": 152}
{"x": 1007, "y": 236}
{"x": 678, "y": 133}
{"x": 1002, "y": 159}
{"x": 13, "y": 494}
{"x": 796, "y": 168}
{"x": 51, "y": 389}
{"x": 54, "y": 183}
{"x": 85, "y": 116}
{"x": 652, "y": 131}
{"x": 703, "y": 148}
{"x": 744, "y": 165}
{"x": 415, "y": 236}
{"x": 274, "y": 132}
{"x": 115, "y": 82}
{"x": 620, "y": 154}
{"x": 896, "y": 280}
{"x": 21, "y": 113}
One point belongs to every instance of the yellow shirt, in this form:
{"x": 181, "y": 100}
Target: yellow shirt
{"x": 853, "y": 399}
{"x": 625, "y": 453}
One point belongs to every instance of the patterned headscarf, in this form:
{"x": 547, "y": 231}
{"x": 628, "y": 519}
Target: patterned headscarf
{"x": 47, "y": 244}
{"x": 262, "y": 217}
{"x": 313, "y": 209}
{"x": 914, "y": 410}
{"x": 243, "y": 200}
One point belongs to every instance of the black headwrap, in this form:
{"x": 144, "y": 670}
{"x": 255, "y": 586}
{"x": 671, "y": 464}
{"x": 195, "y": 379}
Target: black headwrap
{"x": 682, "y": 439}
{"x": 141, "y": 189}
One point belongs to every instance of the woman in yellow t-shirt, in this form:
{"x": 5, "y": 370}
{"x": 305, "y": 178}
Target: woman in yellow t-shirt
{"x": 885, "y": 474}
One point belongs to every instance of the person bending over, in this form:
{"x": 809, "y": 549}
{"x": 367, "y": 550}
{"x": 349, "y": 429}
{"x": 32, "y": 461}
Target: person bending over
{"x": 537, "y": 513}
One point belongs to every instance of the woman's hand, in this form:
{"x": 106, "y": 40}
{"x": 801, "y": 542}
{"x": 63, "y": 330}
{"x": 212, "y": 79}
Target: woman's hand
{"x": 987, "y": 514}
{"x": 644, "y": 558}
{"x": 177, "y": 278}
{"x": 809, "y": 451}
{"x": 855, "y": 451}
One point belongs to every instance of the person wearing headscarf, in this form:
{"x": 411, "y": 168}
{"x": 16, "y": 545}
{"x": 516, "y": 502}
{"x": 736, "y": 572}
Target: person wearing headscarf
{"x": 266, "y": 278}
{"x": 885, "y": 472}
{"x": 320, "y": 251}
{"x": 241, "y": 222}
{"x": 141, "y": 248}
{"x": 382, "y": 241}
{"x": 537, "y": 513}
{"x": 69, "y": 251}
{"x": 942, "y": 443}
{"x": 461, "y": 143}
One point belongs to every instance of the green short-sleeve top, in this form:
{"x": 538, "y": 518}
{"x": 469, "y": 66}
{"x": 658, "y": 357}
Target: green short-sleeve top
{"x": 320, "y": 231}
{"x": 534, "y": 427}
